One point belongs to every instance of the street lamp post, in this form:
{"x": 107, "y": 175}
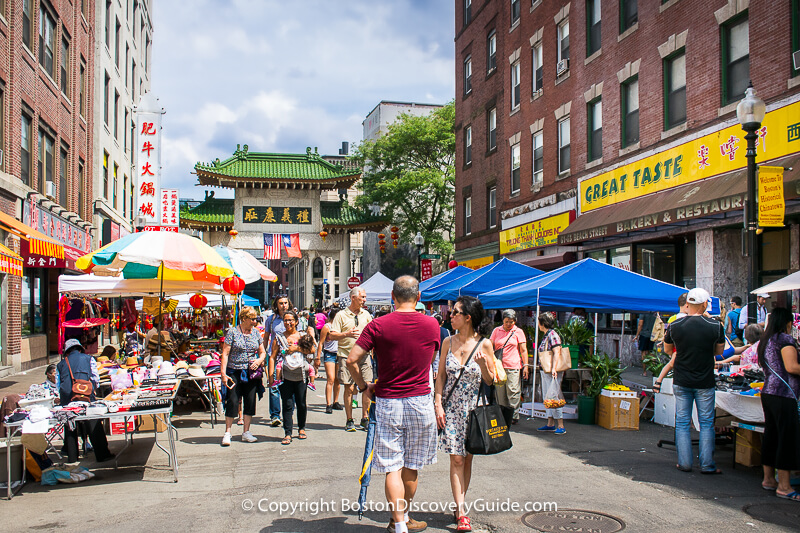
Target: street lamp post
{"x": 750, "y": 112}
{"x": 419, "y": 240}
{"x": 352, "y": 262}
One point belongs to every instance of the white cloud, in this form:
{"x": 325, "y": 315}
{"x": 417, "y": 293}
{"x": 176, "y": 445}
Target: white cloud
{"x": 280, "y": 76}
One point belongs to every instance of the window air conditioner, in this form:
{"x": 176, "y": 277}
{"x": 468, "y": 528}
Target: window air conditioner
{"x": 796, "y": 59}
{"x": 50, "y": 190}
{"x": 562, "y": 67}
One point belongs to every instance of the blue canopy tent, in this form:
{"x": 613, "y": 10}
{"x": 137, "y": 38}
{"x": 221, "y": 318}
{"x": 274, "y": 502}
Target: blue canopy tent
{"x": 444, "y": 277}
{"x": 249, "y": 300}
{"x": 595, "y": 286}
{"x": 499, "y": 274}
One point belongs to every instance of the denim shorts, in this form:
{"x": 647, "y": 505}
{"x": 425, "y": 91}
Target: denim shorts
{"x": 328, "y": 357}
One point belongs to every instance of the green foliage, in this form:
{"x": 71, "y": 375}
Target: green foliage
{"x": 654, "y": 362}
{"x": 575, "y": 334}
{"x": 410, "y": 173}
{"x": 605, "y": 370}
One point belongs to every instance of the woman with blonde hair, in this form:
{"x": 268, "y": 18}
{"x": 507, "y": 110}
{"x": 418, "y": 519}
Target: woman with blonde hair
{"x": 243, "y": 358}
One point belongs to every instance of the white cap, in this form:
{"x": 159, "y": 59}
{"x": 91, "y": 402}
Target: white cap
{"x": 698, "y": 296}
{"x": 763, "y": 295}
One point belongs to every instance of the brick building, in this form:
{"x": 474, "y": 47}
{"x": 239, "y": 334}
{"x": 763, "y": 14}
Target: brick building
{"x": 571, "y": 117}
{"x": 46, "y": 141}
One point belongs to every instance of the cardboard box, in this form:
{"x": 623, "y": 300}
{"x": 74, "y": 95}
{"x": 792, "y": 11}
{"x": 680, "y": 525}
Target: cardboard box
{"x": 615, "y": 411}
{"x": 146, "y": 423}
{"x": 748, "y": 447}
{"x": 569, "y": 411}
{"x": 664, "y": 410}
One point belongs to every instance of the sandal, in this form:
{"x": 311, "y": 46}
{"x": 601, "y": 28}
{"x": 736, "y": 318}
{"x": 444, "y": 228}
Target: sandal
{"x": 240, "y": 422}
{"x": 302, "y": 435}
{"x": 287, "y": 440}
{"x": 794, "y": 496}
{"x": 769, "y": 488}
{"x": 683, "y": 469}
{"x": 463, "y": 524}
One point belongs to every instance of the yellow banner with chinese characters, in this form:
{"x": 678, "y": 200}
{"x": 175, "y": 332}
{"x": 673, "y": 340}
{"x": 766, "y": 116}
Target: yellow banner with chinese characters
{"x": 706, "y": 156}
{"x": 480, "y": 262}
{"x": 535, "y": 234}
{"x": 771, "y": 207}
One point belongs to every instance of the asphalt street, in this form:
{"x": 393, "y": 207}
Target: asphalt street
{"x": 312, "y": 485}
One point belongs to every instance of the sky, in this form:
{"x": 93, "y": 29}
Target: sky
{"x": 281, "y": 76}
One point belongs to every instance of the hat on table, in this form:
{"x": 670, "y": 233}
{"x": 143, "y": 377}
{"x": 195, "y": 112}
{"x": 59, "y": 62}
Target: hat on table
{"x": 196, "y": 371}
{"x": 182, "y": 364}
{"x": 131, "y": 362}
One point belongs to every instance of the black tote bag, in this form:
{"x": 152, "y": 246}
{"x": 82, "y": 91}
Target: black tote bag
{"x": 488, "y": 429}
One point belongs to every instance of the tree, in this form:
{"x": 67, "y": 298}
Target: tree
{"x": 410, "y": 174}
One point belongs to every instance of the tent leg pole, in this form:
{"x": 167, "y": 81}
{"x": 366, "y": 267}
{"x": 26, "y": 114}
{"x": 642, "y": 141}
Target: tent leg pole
{"x": 595, "y": 333}
{"x": 160, "y": 314}
{"x": 535, "y": 355}
{"x": 621, "y": 337}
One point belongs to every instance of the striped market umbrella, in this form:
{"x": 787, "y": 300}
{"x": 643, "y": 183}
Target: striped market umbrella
{"x": 245, "y": 265}
{"x": 162, "y": 255}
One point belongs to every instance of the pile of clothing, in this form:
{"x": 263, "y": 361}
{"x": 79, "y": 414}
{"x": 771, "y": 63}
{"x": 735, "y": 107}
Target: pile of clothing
{"x": 746, "y": 380}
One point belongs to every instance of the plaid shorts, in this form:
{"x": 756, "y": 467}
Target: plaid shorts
{"x": 406, "y": 433}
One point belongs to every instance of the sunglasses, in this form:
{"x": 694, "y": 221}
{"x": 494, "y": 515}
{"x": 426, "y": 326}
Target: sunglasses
{"x": 355, "y": 318}
{"x": 455, "y": 312}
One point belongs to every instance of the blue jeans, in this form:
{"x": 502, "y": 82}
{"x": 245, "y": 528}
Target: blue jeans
{"x": 685, "y": 397}
{"x": 274, "y": 403}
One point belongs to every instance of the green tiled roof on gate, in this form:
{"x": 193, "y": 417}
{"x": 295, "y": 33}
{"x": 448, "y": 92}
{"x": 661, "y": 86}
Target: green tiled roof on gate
{"x": 213, "y": 212}
{"x": 341, "y": 215}
{"x": 258, "y": 169}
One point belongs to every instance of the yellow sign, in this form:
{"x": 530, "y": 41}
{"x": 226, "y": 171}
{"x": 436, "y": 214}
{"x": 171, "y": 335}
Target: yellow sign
{"x": 701, "y": 158}
{"x": 480, "y": 262}
{"x": 535, "y": 234}
{"x": 771, "y": 206}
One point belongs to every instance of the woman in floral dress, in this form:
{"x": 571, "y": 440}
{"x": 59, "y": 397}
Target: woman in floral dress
{"x": 470, "y": 351}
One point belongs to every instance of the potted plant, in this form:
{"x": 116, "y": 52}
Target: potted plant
{"x": 604, "y": 371}
{"x": 653, "y": 362}
{"x": 575, "y": 336}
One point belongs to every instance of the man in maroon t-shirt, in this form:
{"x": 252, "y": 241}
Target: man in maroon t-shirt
{"x": 404, "y": 343}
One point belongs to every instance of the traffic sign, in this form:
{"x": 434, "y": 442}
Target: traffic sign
{"x": 353, "y": 282}
{"x": 430, "y": 256}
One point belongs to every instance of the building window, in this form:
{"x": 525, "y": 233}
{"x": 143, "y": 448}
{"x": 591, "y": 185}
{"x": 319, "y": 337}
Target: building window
{"x": 468, "y": 145}
{"x": 563, "y": 42}
{"x": 106, "y": 97}
{"x": 537, "y": 67}
{"x": 492, "y": 128}
{"x": 795, "y": 35}
{"x": 467, "y": 11}
{"x": 108, "y": 24}
{"x": 628, "y": 14}
{"x": 593, "y": 17}
{"x": 515, "y": 11}
{"x": 117, "y": 40}
{"x": 538, "y": 157}
{"x": 515, "y": 85}
{"x": 83, "y": 8}
{"x": 515, "y": 161}
{"x": 467, "y": 215}
{"x": 133, "y": 135}
{"x": 563, "y": 146}
{"x": 125, "y": 132}
{"x": 130, "y": 208}
{"x": 63, "y": 177}
{"x": 81, "y": 185}
{"x": 124, "y": 192}
{"x": 675, "y": 90}
{"x": 47, "y": 40}
{"x": 735, "y": 60}
{"x": 25, "y": 151}
{"x": 27, "y": 23}
{"x": 116, "y": 186}
{"x": 468, "y": 75}
{"x": 2, "y": 128}
{"x": 491, "y": 208}
{"x": 127, "y": 62}
{"x": 133, "y": 80}
{"x": 105, "y": 175}
{"x": 594, "y": 126}
{"x": 116, "y": 115}
{"x": 630, "y": 112}
{"x": 64, "y": 74}
{"x": 82, "y": 103}
{"x": 46, "y": 160}
{"x": 491, "y": 51}
{"x": 33, "y": 292}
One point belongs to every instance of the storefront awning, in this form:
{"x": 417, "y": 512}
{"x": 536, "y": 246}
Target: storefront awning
{"x": 10, "y": 262}
{"x": 719, "y": 197}
{"x": 38, "y": 243}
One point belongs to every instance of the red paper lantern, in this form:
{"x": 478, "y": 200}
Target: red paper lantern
{"x": 323, "y": 234}
{"x": 233, "y": 285}
{"x": 233, "y": 233}
{"x": 381, "y": 236}
{"x": 382, "y": 242}
{"x": 198, "y": 301}
{"x": 395, "y": 229}
{"x": 383, "y": 249}
{"x": 395, "y": 236}
{"x": 452, "y": 264}
{"x": 395, "y": 244}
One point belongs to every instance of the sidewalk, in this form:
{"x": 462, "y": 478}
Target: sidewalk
{"x": 20, "y": 382}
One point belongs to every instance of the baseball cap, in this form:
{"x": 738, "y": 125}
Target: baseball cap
{"x": 698, "y": 296}
{"x": 763, "y": 295}
{"x": 71, "y": 343}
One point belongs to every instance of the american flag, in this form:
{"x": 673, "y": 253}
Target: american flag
{"x": 272, "y": 246}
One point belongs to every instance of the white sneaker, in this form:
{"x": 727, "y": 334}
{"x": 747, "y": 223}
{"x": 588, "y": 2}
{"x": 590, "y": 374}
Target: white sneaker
{"x": 248, "y": 437}
{"x": 226, "y": 439}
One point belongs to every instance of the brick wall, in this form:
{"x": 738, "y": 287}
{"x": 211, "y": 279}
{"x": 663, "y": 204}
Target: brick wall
{"x": 770, "y": 48}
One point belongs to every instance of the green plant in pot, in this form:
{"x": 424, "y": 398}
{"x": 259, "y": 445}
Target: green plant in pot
{"x": 654, "y": 362}
{"x": 604, "y": 371}
{"x": 575, "y": 336}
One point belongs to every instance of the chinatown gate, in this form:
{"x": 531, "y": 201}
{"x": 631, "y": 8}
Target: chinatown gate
{"x": 285, "y": 194}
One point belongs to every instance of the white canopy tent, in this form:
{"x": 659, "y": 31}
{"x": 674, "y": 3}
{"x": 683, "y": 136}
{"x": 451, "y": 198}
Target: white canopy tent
{"x": 789, "y": 283}
{"x": 214, "y": 300}
{"x": 378, "y": 289}
{"x": 110, "y": 286}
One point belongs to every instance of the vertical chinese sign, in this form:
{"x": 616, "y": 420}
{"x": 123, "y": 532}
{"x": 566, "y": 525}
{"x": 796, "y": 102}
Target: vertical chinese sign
{"x": 169, "y": 207}
{"x": 148, "y": 162}
{"x": 426, "y": 269}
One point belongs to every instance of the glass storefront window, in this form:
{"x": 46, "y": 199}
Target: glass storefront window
{"x": 656, "y": 261}
{"x": 32, "y": 300}
{"x": 621, "y": 257}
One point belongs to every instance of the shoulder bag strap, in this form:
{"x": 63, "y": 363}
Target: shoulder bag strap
{"x": 70, "y": 370}
{"x": 780, "y": 378}
{"x": 507, "y": 339}
{"x": 453, "y": 388}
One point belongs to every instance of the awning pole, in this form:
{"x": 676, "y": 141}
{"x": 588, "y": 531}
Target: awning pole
{"x": 595, "y": 333}
{"x": 621, "y": 336}
{"x": 535, "y": 354}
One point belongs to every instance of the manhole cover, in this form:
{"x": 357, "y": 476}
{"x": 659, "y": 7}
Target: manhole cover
{"x": 573, "y": 520}
{"x": 785, "y": 514}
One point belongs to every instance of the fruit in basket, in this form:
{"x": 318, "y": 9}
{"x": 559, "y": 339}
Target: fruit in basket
{"x": 555, "y": 404}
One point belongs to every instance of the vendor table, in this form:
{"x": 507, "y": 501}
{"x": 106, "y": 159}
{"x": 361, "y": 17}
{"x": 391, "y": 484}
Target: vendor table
{"x": 204, "y": 342}
{"x": 13, "y": 428}
{"x": 209, "y": 396}
{"x": 747, "y": 408}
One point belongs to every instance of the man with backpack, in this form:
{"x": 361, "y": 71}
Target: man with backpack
{"x": 735, "y": 334}
{"x": 274, "y": 325}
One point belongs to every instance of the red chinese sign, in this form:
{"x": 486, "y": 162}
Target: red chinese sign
{"x": 426, "y": 270}
{"x": 169, "y": 207}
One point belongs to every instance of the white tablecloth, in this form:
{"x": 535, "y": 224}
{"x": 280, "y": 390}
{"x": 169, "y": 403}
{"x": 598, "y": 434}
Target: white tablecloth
{"x": 747, "y": 408}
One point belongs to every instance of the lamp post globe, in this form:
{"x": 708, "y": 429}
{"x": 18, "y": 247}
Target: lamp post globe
{"x": 419, "y": 240}
{"x": 751, "y": 112}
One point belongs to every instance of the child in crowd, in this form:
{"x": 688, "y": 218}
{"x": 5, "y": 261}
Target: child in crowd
{"x": 50, "y": 380}
{"x": 308, "y": 347}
